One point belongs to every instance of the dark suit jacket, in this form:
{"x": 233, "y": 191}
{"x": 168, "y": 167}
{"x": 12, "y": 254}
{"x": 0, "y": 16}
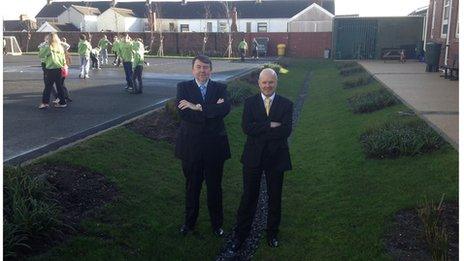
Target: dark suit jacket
{"x": 267, "y": 147}
{"x": 202, "y": 134}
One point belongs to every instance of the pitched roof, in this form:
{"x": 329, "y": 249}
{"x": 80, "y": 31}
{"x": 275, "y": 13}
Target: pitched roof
{"x": 123, "y": 11}
{"x": 245, "y": 9}
{"x": 14, "y": 26}
{"x": 86, "y": 10}
{"x": 68, "y": 27}
{"x": 56, "y": 8}
{"x": 195, "y": 10}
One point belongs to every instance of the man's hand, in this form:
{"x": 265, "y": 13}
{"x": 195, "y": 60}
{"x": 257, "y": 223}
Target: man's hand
{"x": 220, "y": 101}
{"x": 183, "y": 104}
{"x": 275, "y": 124}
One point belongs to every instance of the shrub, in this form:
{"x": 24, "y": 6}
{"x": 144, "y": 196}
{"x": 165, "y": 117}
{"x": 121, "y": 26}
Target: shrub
{"x": 357, "y": 81}
{"x": 351, "y": 70}
{"x": 397, "y": 138}
{"x": 372, "y": 101}
{"x": 435, "y": 233}
{"x": 274, "y": 66}
{"x": 238, "y": 92}
{"x": 29, "y": 210}
{"x": 341, "y": 65}
{"x": 171, "y": 109}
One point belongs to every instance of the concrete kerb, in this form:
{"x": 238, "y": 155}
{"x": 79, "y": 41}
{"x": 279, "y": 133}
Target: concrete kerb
{"x": 418, "y": 113}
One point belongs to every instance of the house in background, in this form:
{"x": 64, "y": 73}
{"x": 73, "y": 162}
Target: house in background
{"x": 443, "y": 28}
{"x": 252, "y": 16}
{"x": 120, "y": 20}
{"x": 84, "y": 18}
{"x": 53, "y": 9}
{"x": 312, "y": 19}
{"x": 184, "y": 16}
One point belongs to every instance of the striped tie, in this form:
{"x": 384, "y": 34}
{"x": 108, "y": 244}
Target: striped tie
{"x": 203, "y": 91}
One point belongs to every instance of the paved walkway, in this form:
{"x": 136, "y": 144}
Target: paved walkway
{"x": 98, "y": 103}
{"x": 432, "y": 97}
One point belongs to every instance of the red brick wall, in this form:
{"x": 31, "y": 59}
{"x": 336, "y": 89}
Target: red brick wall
{"x": 309, "y": 45}
{"x": 436, "y": 32}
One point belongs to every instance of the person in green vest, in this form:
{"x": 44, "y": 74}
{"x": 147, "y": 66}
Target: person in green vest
{"x": 84, "y": 48}
{"x": 115, "y": 50}
{"x": 242, "y": 49}
{"x": 137, "y": 65}
{"x": 54, "y": 57}
{"x": 103, "y": 44}
{"x": 127, "y": 55}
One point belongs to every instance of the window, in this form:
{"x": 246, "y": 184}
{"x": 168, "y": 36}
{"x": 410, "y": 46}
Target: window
{"x": 222, "y": 27}
{"x": 209, "y": 27}
{"x": 262, "y": 27}
{"x": 184, "y": 28}
{"x": 445, "y": 20}
{"x": 172, "y": 27}
{"x": 248, "y": 27}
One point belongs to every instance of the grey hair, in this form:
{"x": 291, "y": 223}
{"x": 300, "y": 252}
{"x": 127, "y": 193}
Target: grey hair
{"x": 270, "y": 71}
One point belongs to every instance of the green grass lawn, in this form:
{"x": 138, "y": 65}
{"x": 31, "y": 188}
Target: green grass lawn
{"x": 336, "y": 203}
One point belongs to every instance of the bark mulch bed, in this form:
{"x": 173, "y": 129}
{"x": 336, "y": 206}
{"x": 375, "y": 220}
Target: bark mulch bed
{"x": 406, "y": 241}
{"x": 79, "y": 192}
{"x": 159, "y": 125}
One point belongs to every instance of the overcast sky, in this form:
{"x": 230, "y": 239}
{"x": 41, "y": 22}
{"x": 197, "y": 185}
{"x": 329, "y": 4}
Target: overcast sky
{"x": 11, "y": 9}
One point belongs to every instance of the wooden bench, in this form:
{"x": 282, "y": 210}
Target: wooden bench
{"x": 392, "y": 54}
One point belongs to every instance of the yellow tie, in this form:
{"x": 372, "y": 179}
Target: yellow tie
{"x": 267, "y": 105}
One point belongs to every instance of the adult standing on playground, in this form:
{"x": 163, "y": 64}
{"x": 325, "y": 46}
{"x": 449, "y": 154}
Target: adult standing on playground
{"x": 55, "y": 61}
{"x": 103, "y": 44}
{"x": 242, "y": 48}
{"x": 84, "y": 48}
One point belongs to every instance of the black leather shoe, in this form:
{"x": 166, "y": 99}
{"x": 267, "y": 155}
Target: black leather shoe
{"x": 219, "y": 232}
{"x": 184, "y": 230}
{"x": 273, "y": 242}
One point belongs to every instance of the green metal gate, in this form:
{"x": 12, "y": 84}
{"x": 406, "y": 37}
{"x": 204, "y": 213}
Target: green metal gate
{"x": 366, "y": 37}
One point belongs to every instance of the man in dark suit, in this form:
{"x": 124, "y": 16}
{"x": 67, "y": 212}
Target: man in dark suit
{"x": 202, "y": 142}
{"x": 267, "y": 122}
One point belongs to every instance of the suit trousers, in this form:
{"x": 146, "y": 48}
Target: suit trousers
{"x": 195, "y": 173}
{"x": 249, "y": 201}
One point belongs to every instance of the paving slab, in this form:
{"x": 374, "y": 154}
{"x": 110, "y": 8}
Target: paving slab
{"x": 432, "y": 97}
{"x": 98, "y": 103}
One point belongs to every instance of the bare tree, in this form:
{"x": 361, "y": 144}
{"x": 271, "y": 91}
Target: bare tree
{"x": 159, "y": 27}
{"x": 229, "y": 47}
{"x": 205, "y": 34}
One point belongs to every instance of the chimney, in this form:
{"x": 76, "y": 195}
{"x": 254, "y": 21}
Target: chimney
{"x": 113, "y": 3}
{"x": 184, "y": 2}
{"x": 49, "y": 2}
{"x": 147, "y": 2}
{"x": 258, "y": 1}
{"x": 23, "y": 17}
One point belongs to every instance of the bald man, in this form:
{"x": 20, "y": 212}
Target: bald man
{"x": 267, "y": 122}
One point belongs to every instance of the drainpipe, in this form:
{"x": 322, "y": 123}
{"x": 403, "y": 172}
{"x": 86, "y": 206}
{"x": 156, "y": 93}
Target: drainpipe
{"x": 448, "y": 33}
{"x": 426, "y": 27}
